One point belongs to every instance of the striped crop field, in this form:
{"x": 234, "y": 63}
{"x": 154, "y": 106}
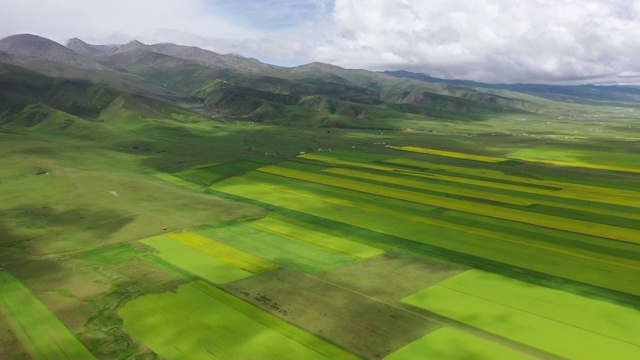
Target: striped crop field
{"x": 426, "y": 185}
{"x": 199, "y": 321}
{"x": 225, "y": 253}
{"x": 452, "y": 344}
{"x": 492, "y": 191}
{"x": 41, "y": 333}
{"x": 452, "y": 154}
{"x": 560, "y": 323}
{"x": 497, "y": 179}
{"x": 554, "y": 222}
{"x": 194, "y": 261}
{"x": 382, "y": 216}
{"x": 315, "y": 238}
{"x": 277, "y": 248}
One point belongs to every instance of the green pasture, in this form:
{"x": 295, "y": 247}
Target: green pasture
{"x": 276, "y": 248}
{"x": 560, "y": 323}
{"x": 41, "y": 333}
{"x": 452, "y": 344}
{"x": 199, "y": 321}
{"x": 194, "y": 261}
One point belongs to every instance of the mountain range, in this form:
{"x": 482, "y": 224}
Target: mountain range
{"x": 84, "y": 79}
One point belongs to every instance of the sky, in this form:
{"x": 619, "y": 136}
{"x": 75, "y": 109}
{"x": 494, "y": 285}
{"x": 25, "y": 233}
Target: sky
{"x": 496, "y": 41}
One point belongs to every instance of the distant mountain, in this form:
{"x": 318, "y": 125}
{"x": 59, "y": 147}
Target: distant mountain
{"x": 82, "y": 79}
{"x": 38, "y": 47}
{"x": 583, "y": 94}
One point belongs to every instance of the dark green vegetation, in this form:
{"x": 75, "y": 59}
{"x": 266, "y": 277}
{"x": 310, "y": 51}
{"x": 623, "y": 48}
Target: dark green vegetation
{"x": 340, "y": 252}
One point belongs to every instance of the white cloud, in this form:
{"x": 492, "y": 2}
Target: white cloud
{"x": 488, "y": 40}
{"x": 485, "y": 40}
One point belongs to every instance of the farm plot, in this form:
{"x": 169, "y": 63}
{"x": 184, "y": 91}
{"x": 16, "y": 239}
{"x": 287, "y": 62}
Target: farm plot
{"x": 561, "y": 323}
{"x": 279, "y": 249}
{"x": 194, "y": 261}
{"x": 451, "y": 344}
{"x": 199, "y": 321}
{"x": 225, "y": 253}
{"x": 553, "y": 259}
{"x": 452, "y": 154}
{"x": 360, "y": 324}
{"x": 315, "y": 238}
{"x": 41, "y": 333}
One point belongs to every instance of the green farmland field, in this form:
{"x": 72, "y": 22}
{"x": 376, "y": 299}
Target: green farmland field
{"x": 331, "y": 243}
{"x": 276, "y": 248}
{"x": 199, "y": 321}
{"x": 447, "y": 343}
{"x": 560, "y": 323}
{"x": 41, "y": 333}
{"x": 194, "y": 261}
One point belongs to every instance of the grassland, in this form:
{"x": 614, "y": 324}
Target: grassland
{"x": 41, "y": 333}
{"x": 547, "y": 319}
{"x": 201, "y": 321}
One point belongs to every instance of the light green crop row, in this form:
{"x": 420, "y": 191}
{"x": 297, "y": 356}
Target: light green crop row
{"x": 560, "y": 323}
{"x": 315, "y": 238}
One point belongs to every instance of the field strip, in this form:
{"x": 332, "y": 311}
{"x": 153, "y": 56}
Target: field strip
{"x": 566, "y": 224}
{"x": 279, "y": 249}
{"x": 41, "y": 333}
{"x": 315, "y": 238}
{"x": 537, "y": 316}
{"x": 605, "y": 271}
{"x": 416, "y": 184}
{"x": 452, "y": 344}
{"x": 452, "y": 154}
{"x": 524, "y": 158}
{"x": 564, "y": 189}
{"x": 178, "y": 181}
{"x": 194, "y": 261}
{"x": 223, "y": 252}
{"x": 204, "y": 322}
